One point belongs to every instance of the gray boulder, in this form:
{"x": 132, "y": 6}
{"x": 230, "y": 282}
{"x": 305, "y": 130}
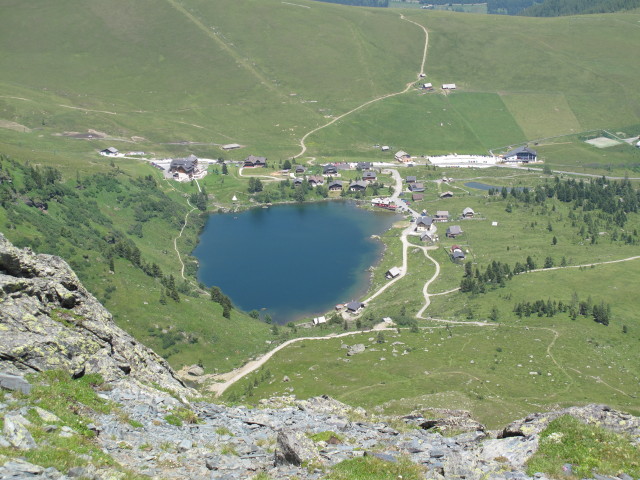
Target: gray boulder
{"x": 14, "y": 382}
{"x": 294, "y": 448}
{"x": 592, "y": 414}
{"x": 17, "y": 434}
{"x": 355, "y": 349}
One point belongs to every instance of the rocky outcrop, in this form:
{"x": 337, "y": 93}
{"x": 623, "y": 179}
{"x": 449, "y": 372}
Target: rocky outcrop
{"x": 599, "y": 415}
{"x": 48, "y": 320}
{"x": 445, "y": 420}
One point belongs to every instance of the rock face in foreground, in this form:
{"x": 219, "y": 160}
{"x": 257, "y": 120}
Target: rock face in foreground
{"x": 48, "y": 320}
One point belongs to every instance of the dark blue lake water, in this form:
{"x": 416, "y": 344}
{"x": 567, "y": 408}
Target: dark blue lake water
{"x": 292, "y": 260}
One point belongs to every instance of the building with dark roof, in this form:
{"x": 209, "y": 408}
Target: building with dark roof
{"x": 520, "y": 155}
{"x": 253, "y": 161}
{"x": 187, "y": 166}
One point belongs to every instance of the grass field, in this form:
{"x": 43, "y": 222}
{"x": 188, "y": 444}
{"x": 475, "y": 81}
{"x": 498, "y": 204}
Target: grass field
{"x": 548, "y": 362}
{"x": 186, "y": 76}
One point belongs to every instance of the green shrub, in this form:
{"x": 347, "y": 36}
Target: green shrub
{"x": 589, "y": 449}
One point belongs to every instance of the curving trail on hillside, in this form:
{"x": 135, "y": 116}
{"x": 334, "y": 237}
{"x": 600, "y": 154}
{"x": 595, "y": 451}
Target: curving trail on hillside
{"x": 303, "y": 146}
{"x": 233, "y": 376}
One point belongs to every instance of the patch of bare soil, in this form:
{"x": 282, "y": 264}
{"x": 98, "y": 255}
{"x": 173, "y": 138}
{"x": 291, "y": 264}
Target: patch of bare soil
{"x": 13, "y": 126}
{"x": 89, "y": 135}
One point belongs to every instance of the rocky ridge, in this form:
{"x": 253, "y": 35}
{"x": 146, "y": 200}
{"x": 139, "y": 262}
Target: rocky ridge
{"x": 49, "y": 321}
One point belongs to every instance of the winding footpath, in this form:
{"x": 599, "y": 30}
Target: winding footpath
{"x": 303, "y": 146}
{"x": 224, "y": 381}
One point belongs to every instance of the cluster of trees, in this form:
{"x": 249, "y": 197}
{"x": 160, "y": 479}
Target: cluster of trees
{"x": 601, "y": 312}
{"x": 597, "y": 205}
{"x": 255, "y": 185}
{"x": 219, "y": 297}
{"x": 498, "y": 7}
{"x": 556, "y": 8}
{"x": 616, "y": 198}
{"x": 496, "y": 273}
{"x": 199, "y": 200}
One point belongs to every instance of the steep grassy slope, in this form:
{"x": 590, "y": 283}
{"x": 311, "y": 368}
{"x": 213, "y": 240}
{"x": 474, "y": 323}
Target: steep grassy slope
{"x": 201, "y": 71}
{"x": 555, "y": 77}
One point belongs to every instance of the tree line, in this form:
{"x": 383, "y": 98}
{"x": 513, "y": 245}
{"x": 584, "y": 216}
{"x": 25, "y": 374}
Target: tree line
{"x": 601, "y": 312}
{"x": 360, "y": 3}
{"x": 557, "y": 8}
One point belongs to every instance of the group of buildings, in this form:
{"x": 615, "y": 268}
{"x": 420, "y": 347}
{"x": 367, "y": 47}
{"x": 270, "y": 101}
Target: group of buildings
{"x": 520, "y": 155}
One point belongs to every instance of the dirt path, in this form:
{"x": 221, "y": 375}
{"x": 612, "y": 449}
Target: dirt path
{"x": 268, "y": 177}
{"x": 184, "y": 224}
{"x": 303, "y": 146}
{"x": 425, "y": 289}
{"x": 233, "y": 376}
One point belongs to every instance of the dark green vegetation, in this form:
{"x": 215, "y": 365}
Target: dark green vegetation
{"x": 71, "y": 401}
{"x": 587, "y": 449}
{"x": 116, "y": 230}
{"x": 572, "y": 353}
{"x": 556, "y": 8}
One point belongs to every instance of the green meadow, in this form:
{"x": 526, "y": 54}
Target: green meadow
{"x": 177, "y": 77}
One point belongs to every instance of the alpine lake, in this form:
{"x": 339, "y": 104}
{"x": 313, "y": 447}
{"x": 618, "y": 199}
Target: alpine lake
{"x": 292, "y": 261}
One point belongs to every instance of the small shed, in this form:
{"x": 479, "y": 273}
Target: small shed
{"x": 319, "y": 320}
{"x": 329, "y": 170}
{"x": 393, "y": 272}
{"x": 424, "y": 223}
{"x": 359, "y": 186}
{"x": 448, "y": 86}
{"x": 453, "y": 231}
{"x": 468, "y": 212}
{"x": 416, "y": 187}
{"x": 416, "y": 197}
{"x": 442, "y": 216}
{"x": 252, "y": 161}
{"x": 412, "y": 179}
{"x": 385, "y": 148}
{"x": 402, "y": 156}
{"x": 315, "y": 180}
{"x": 369, "y": 176}
{"x": 109, "y": 152}
{"x": 335, "y": 186}
{"x": 457, "y": 255}
{"x": 447, "y": 194}
{"x": 355, "y": 307}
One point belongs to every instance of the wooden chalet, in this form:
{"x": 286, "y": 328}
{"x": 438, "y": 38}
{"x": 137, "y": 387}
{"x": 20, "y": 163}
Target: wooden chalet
{"x": 252, "y": 161}
{"x": 520, "y": 155}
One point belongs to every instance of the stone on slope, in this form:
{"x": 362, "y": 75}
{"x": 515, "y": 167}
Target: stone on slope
{"x": 294, "y": 448}
{"x": 17, "y": 434}
{"x": 14, "y": 382}
{"x": 50, "y": 321}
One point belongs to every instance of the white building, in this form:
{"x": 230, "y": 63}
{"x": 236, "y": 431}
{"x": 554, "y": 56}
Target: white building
{"x": 463, "y": 161}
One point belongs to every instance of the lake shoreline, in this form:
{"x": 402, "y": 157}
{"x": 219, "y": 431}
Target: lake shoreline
{"x": 344, "y": 239}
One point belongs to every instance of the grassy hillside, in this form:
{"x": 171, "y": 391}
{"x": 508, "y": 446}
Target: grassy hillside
{"x": 196, "y": 71}
{"x": 185, "y": 76}
{"x": 152, "y": 76}
{"x": 513, "y": 363}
